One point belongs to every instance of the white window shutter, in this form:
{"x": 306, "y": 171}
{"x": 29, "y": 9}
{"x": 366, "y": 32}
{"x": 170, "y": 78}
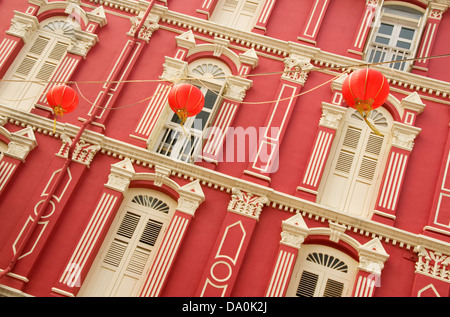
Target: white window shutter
{"x": 32, "y": 72}
{"x": 354, "y": 170}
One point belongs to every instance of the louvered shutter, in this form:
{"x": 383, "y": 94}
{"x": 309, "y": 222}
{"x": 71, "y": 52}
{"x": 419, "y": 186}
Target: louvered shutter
{"x": 127, "y": 255}
{"x": 33, "y": 72}
{"x": 240, "y": 14}
{"x": 352, "y": 175}
{"x": 333, "y": 288}
{"x": 364, "y": 178}
{"x": 338, "y": 182}
{"x": 307, "y": 285}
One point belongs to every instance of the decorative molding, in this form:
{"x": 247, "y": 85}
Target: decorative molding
{"x": 404, "y": 136}
{"x": 21, "y": 144}
{"x": 249, "y": 57}
{"x": 23, "y": 26}
{"x": 161, "y": 173}
{"x": 331, "y": 115}
{"x": 337, "y": 230}
{"x": 246, "y": 203}
{"x": 191, "y": 196}
{"x": 372, "y": 256}
{"x": 433, "y": 264}
{"x": 186, "y": 40}
{"x": 296, "y": 68}
{"x": 84, "y": 152}
{"x": 294, "y": 231}
{"x": 146, "y": 31}
{"x": 82, "y": 43}
{"x": 218, "y": 181}
{"x": 174, "y": 69}
{"x": 236, "y": 88}
{"x": 98, "y": 16}
{"x": 413, "y": 102}
{"x": 220, "y": 45}
{"x": 120, "y": 176}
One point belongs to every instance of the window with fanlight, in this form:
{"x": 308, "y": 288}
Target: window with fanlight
{"x": 126, "y": 254}
{"x": 322, "y": 271}
{"x": 28, "y": 76}
{"x": 395, "y": 36}
{"x": 184, "y": 142}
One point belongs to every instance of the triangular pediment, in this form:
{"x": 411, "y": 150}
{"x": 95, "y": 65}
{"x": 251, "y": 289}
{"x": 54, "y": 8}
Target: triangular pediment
{"x": 27, "y": 133}
{"x": 194, "y": 187}
{"x": 374, "y": 246}
{"x": 295, "y": 224}
{"x": 125, "y": 165}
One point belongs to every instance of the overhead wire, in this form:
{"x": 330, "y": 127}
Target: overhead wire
{"x": 346, "y": 68}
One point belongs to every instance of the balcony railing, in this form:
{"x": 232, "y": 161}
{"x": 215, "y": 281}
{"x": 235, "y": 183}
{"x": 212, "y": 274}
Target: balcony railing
{"x": 383, "y": 53}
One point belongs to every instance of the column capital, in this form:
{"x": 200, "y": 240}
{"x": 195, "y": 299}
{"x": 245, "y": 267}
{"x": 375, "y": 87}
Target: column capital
{"x": 174, "y": 69}
{"x": 432, "y": 263}
{"x": 23, "y": 26}
{"x": 331, "y": 115}
{"x": 404, "y": 135}
{"x": 437, "y": 9}
{"x": 296, "y": 68}
{"x": 246, "y": 203}
{"x": 236, "y": 88}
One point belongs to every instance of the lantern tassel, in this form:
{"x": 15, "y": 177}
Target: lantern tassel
{"x": 371, "y": 126}
{"x": 182, "y": 116}
{"x": 54, "y": 126}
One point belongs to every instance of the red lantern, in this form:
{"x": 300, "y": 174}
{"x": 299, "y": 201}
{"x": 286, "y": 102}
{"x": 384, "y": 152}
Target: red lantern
{"x": 365, "y": 90}
{"x": 186, "y": 101}
{"x": 62, "y": 99}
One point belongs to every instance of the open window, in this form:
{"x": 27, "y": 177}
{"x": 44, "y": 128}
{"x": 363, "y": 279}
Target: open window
{"x": 395, "y": 36}
{"x": 184, "y": 143}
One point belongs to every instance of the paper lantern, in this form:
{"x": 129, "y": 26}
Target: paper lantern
{"x": 186, "y": 101}
{"x": 364, "y": 90}
{"x": 62, "y": 99}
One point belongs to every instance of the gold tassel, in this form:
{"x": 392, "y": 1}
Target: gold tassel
{"x": 371, "y": 126}
{"x": 182, "y": 115}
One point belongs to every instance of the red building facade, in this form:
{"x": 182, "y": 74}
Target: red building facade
{"x": 276, "y": 188}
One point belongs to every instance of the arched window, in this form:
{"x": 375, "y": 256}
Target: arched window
{"x": 127, "y": 251}
{"x": 238, "y": 14}
{"x": 184, "y": 143}
{"x": 355, "y": 163}
{"x": 395, "y": 36}
{"x": 28, "y": 76}
{"x": 322, "y": 272}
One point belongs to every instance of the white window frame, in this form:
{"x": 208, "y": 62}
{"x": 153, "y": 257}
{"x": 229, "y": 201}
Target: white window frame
{"x": 36, "y": 63}
{"x": 96, "y": 283}
{"x": 344, "y": 198}
{"x": 383, "y": 52}
{"x": 174, "y": 140}
{"x": 323, "y": 272}
{"x": 238, "y": 14}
